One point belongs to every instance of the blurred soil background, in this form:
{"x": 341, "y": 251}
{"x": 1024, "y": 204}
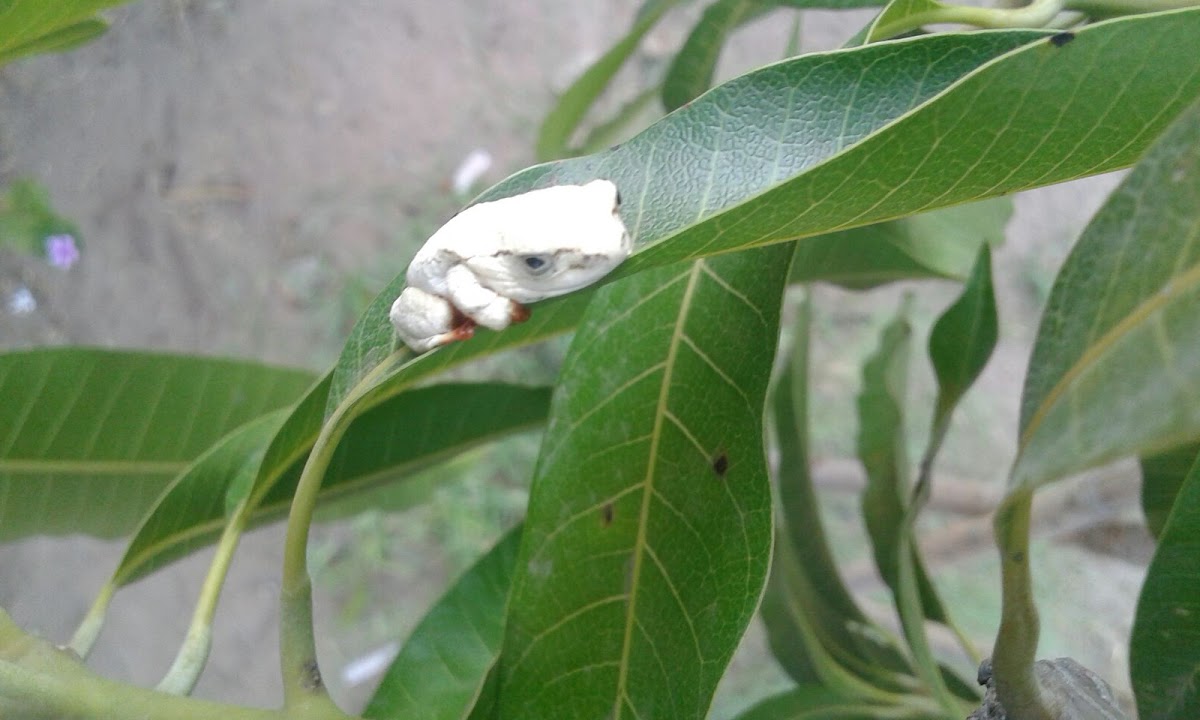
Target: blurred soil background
{"x": 246, "y": 175}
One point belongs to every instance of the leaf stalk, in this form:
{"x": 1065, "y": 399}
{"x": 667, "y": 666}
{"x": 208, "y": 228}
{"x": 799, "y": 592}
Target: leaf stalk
{"x": 1016, "y": 643}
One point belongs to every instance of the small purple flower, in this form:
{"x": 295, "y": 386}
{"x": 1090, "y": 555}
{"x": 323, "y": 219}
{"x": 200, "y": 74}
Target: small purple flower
{"x": 61, "y": 251}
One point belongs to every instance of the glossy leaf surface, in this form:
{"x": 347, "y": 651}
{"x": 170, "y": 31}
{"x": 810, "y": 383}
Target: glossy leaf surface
{"x": 831, "y": 141}
{"x": 648, "y": 533}
{"x": 671, "y": 184}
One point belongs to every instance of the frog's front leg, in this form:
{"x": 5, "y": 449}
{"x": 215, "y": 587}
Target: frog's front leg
{"x": 425, "y": 321}
{"x": 482, "y": 304}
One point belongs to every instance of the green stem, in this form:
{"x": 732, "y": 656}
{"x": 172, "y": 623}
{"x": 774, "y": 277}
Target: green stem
{"x": 1036, "y": 14}
{"x": 85, "y": 636}
{"x": 302, "y": 684}
{"x": 1111, "y": 8}
{"x": 908, "y": 594}
{"x": 920, "y": 497}
{"x": 1016, "y": 643}
{"x": 193, "y": 654}
{"x": 297, "y": 646}
{"x": 41, "y": 682}
{"x": 29, "y": 694}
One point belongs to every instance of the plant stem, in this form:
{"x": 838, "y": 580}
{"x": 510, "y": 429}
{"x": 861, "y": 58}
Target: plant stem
{"x": 1110, "y": 8}
{"x": 41, "y": 682}
{"x": 29, "y": 694}
{"x": 920, "y": 497}
{"x": 88, "y": 630}
{"x": 302, "y": 684}
{"x": 193, "y": 654}
{"x": 1016, "y": 643}
{"x": 1036, "y": 14}
{"x": 912, "y": 620}
{"x": 297, "y": 646}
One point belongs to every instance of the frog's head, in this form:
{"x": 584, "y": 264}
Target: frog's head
{"x": 554, "y": 241}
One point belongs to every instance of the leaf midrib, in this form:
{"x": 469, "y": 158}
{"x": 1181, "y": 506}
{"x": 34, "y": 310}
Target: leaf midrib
{"x": 1175, "y": 288}
{"x": 639, "y": 548}
{"x": 32, "y": 466}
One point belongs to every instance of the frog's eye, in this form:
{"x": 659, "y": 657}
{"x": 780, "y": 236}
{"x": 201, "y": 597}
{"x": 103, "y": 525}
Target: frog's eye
{"x": 537, "y": 264}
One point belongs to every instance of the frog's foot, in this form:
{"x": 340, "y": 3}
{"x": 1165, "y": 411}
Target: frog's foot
{"x": 425, "y": 321}
{"x": 518, "y": 313}
{"x": 499, "y": 313}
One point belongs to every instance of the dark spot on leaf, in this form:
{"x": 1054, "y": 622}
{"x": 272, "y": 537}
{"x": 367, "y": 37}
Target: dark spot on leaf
{"x": 606, "y": 514}
{"x": 720, "y": 464}
{"x": 1061, "y": 38}
{"x": 1018, "y": 557}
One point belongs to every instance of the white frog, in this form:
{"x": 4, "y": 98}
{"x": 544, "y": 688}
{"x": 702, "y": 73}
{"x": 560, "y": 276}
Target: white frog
{"x": 483, "y": 265}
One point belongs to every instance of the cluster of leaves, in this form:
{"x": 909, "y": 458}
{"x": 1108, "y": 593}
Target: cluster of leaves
{"x": 648, "y": 539}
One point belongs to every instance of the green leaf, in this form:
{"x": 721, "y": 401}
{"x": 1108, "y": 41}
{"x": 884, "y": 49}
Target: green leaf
{"x": 938, "y": 244}
{"x": 1115, "y": 370}
{"x": 813, "y": 702}
{"x": 882, "y": 130}
{"x": 648, "y": 533}
{"x": 91, "y": 437}
{"x": 963, "y": 338}
{"x": 1165, "y": 646}
{"x": 61, "y": 40}
{"x": 691, "y": 70}
{"x": 1043, "y": 99}
{"x": 387, "y": 443}
{"x": 442, "y": 667}
{"x": 663, "y": 195}
{"x": 960, "y": 344}
{"x": 812, "y": 621}
{"x": 1162, "y": 476}
{"x": 618, "y": 127}
{"x": 881, "y": 449}
{"x": 901, "y": 12}
{"x": 889, "y": 512}
{"x": 554, "y": 137}
{"x": 30, "y": 26}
